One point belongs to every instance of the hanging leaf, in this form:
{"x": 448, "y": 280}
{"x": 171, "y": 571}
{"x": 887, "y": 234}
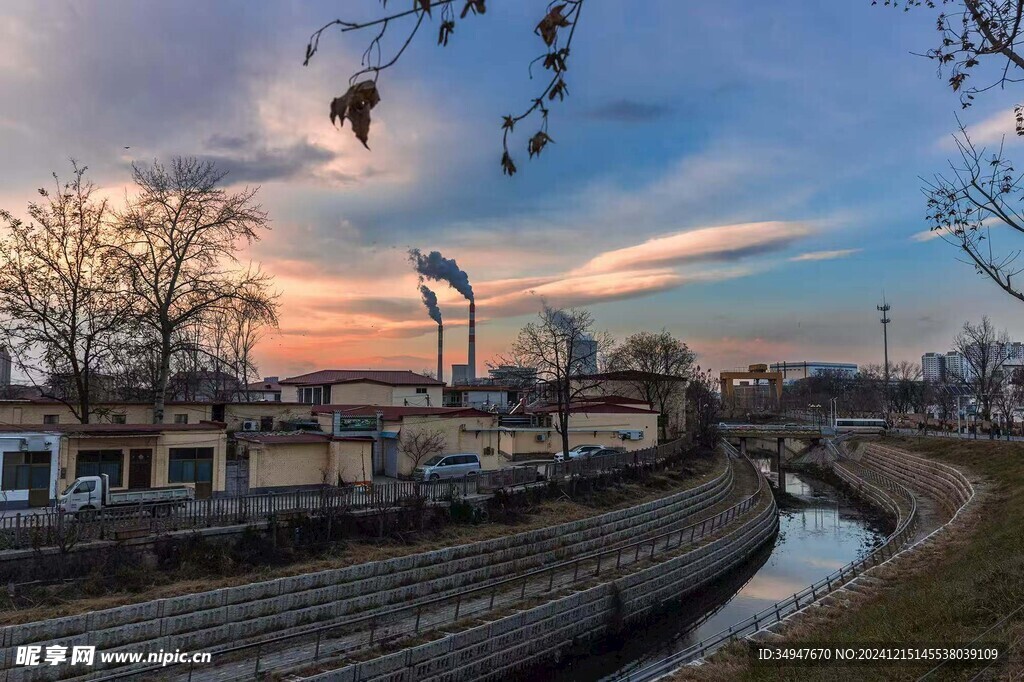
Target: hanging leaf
{"x": 508, "y": 123}
{"x": 355, "y": 105}
{"x": 474, "y": 6}
{"x": 507, "y": 167}
{"x": 447, "y": 28}
{"x": 538, "y": 142}
{"x": 424, "y": 5}
{"x": 549, "y": 25}
{"x": 559, "y": 90}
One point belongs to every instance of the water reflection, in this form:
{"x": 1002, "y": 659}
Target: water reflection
{"x": 819, "y": 531}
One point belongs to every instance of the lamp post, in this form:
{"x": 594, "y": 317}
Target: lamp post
{"x": 816, "y": 411}
{"x": 884, "y": 309}
{"x": 833, "y": 404}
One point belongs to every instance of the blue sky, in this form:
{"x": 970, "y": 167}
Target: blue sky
{"x": 805, "y": 124}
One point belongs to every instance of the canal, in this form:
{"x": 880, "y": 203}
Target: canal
{"x": 820, "y": 530}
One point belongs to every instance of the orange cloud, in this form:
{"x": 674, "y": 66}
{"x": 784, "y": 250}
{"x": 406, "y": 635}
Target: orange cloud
{"x": 726, "y": 242}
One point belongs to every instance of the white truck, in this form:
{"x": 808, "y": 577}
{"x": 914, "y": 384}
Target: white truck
{"x": 93, "y": 492}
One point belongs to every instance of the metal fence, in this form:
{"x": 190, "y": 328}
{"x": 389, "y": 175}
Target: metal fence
{"x": 473, "y": 602}
{"x": 898, "y": 539}
{"x": 52, "y": 527}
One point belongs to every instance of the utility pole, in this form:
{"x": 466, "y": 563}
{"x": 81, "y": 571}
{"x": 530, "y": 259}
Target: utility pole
{"x": 884, "y": 309}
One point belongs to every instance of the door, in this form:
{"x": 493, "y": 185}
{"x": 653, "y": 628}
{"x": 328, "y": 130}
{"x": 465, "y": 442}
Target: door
{"x": 38, "y": 465}
{"x": 391, "y": 458}
{"x": 140, "y": 469}
{"x": 237, "y": 477}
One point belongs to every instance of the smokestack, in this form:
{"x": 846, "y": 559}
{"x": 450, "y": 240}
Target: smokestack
{"x": 440, "y": 352}
{"x": 471, "y": 359}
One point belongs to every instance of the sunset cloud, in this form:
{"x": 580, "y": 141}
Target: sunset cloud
{"x": 726, "y": 242}
{"x": 825, "y": 255}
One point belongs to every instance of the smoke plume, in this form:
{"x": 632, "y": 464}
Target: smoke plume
{"x": 440, "y": 269}
{"x": 430, "y": 300}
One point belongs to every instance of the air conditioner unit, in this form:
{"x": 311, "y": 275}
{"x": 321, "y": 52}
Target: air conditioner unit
{"x": 635, "y": 434}
{"x": 542, "y": 437}
{"x": 251, "y": 425}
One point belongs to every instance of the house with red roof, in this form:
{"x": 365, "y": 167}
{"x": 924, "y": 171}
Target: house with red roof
{"x": 400, "y": 388}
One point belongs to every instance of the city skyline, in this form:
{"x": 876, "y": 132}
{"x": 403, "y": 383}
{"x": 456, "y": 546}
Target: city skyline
{"x": 768, "y": 202}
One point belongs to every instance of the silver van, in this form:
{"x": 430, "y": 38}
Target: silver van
{"x": 447, "y": 466}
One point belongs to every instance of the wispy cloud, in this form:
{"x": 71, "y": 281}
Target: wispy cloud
{"x": 825, "y": 255}
{"x": 1000, "y": 126}
{"x": 726, "y": 242}
{"x": 925, "y": 235}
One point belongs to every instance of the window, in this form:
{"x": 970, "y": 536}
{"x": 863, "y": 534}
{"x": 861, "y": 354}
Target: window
{"x": 190, "y": 465}
{"x": 311, "y": 395}
{"x": 181, "y": 418}
{"x": 99, "y": 462}
{"x": 266, "y": 423}
{"x": 118, "y": 419}
{"x": 421, "y": 390}
{"x": 51, "y": 419}
{"x": 26, "y": 470}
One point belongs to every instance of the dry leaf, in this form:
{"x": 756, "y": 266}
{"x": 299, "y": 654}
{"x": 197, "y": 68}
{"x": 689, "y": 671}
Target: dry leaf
{"x": 355, "y": 105}
{"x": 447, "y": 28}
{"x": 476, "y": 6}
{"x": 549, "y": 25}
{"x": 538, "y": 142}
{"x": 507, "y": 167}
{"x": 424, "y": 5}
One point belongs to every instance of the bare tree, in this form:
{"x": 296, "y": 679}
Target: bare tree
{"x": 1010, "y": 397}
{"x": 559, "y": 346}
{"x": 62, "y": 300}
{"x": 971, "y": 34}
{"x": 977, "y": 205}
{"x": 422, "y": 444}
{"x": 659, "y": 364}
{"x": 181, "y": 235}
{"x": 363, "y": 93}
{"x": 703, "y": 398}
{"x": 983, "y": 349}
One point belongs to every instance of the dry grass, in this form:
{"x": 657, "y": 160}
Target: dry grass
{"x": 548, "y": 513}
{"x": 948, "y": 592}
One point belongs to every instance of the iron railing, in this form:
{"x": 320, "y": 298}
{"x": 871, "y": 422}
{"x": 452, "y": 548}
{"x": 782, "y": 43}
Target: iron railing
{"x": 53, "y": 527}
{"x": 411, "y": 619}
{"x": 773, "y": 614}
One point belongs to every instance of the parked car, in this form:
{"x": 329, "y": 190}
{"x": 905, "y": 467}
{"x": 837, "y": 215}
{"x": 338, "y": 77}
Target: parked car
{"x": 607, "y": 451}
{"x": 577, "y": 452}
{"x": 448, "y": 466}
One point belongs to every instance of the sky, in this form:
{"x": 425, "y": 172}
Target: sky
{"x": 744, "y": 175}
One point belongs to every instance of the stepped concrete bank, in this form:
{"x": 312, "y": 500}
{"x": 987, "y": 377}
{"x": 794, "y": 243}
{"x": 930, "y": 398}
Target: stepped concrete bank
{"x": 231, "y": 615}
{"x": 526, "y": 639}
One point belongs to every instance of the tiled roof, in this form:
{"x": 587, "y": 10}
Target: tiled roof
{"x": 379, "y": 376}
{"x": 394, "y": 413}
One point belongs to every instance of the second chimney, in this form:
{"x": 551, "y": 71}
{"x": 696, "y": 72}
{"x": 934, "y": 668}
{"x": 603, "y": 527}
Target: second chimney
{"x": 440, "y": 352}
{"x": 471, "y": 358}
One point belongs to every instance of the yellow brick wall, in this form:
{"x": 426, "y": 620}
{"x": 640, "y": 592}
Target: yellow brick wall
{"x": 236, "y": 413}
{"x": 159, "y": 444}
{"x": 14, "y": 412}
{"x": 289, "y": 464}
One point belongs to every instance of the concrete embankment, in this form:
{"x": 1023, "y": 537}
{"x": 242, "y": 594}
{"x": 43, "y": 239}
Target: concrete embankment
{"x": 230, "y": 616}
{"x": 515, "y": 643}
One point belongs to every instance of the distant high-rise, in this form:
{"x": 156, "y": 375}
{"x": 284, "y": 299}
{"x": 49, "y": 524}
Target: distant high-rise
{"x": 5, "y": 367}
{"x": 933, "y": 367}
{"x": 956, "y": 367}
{"x": 584, "y": 353}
